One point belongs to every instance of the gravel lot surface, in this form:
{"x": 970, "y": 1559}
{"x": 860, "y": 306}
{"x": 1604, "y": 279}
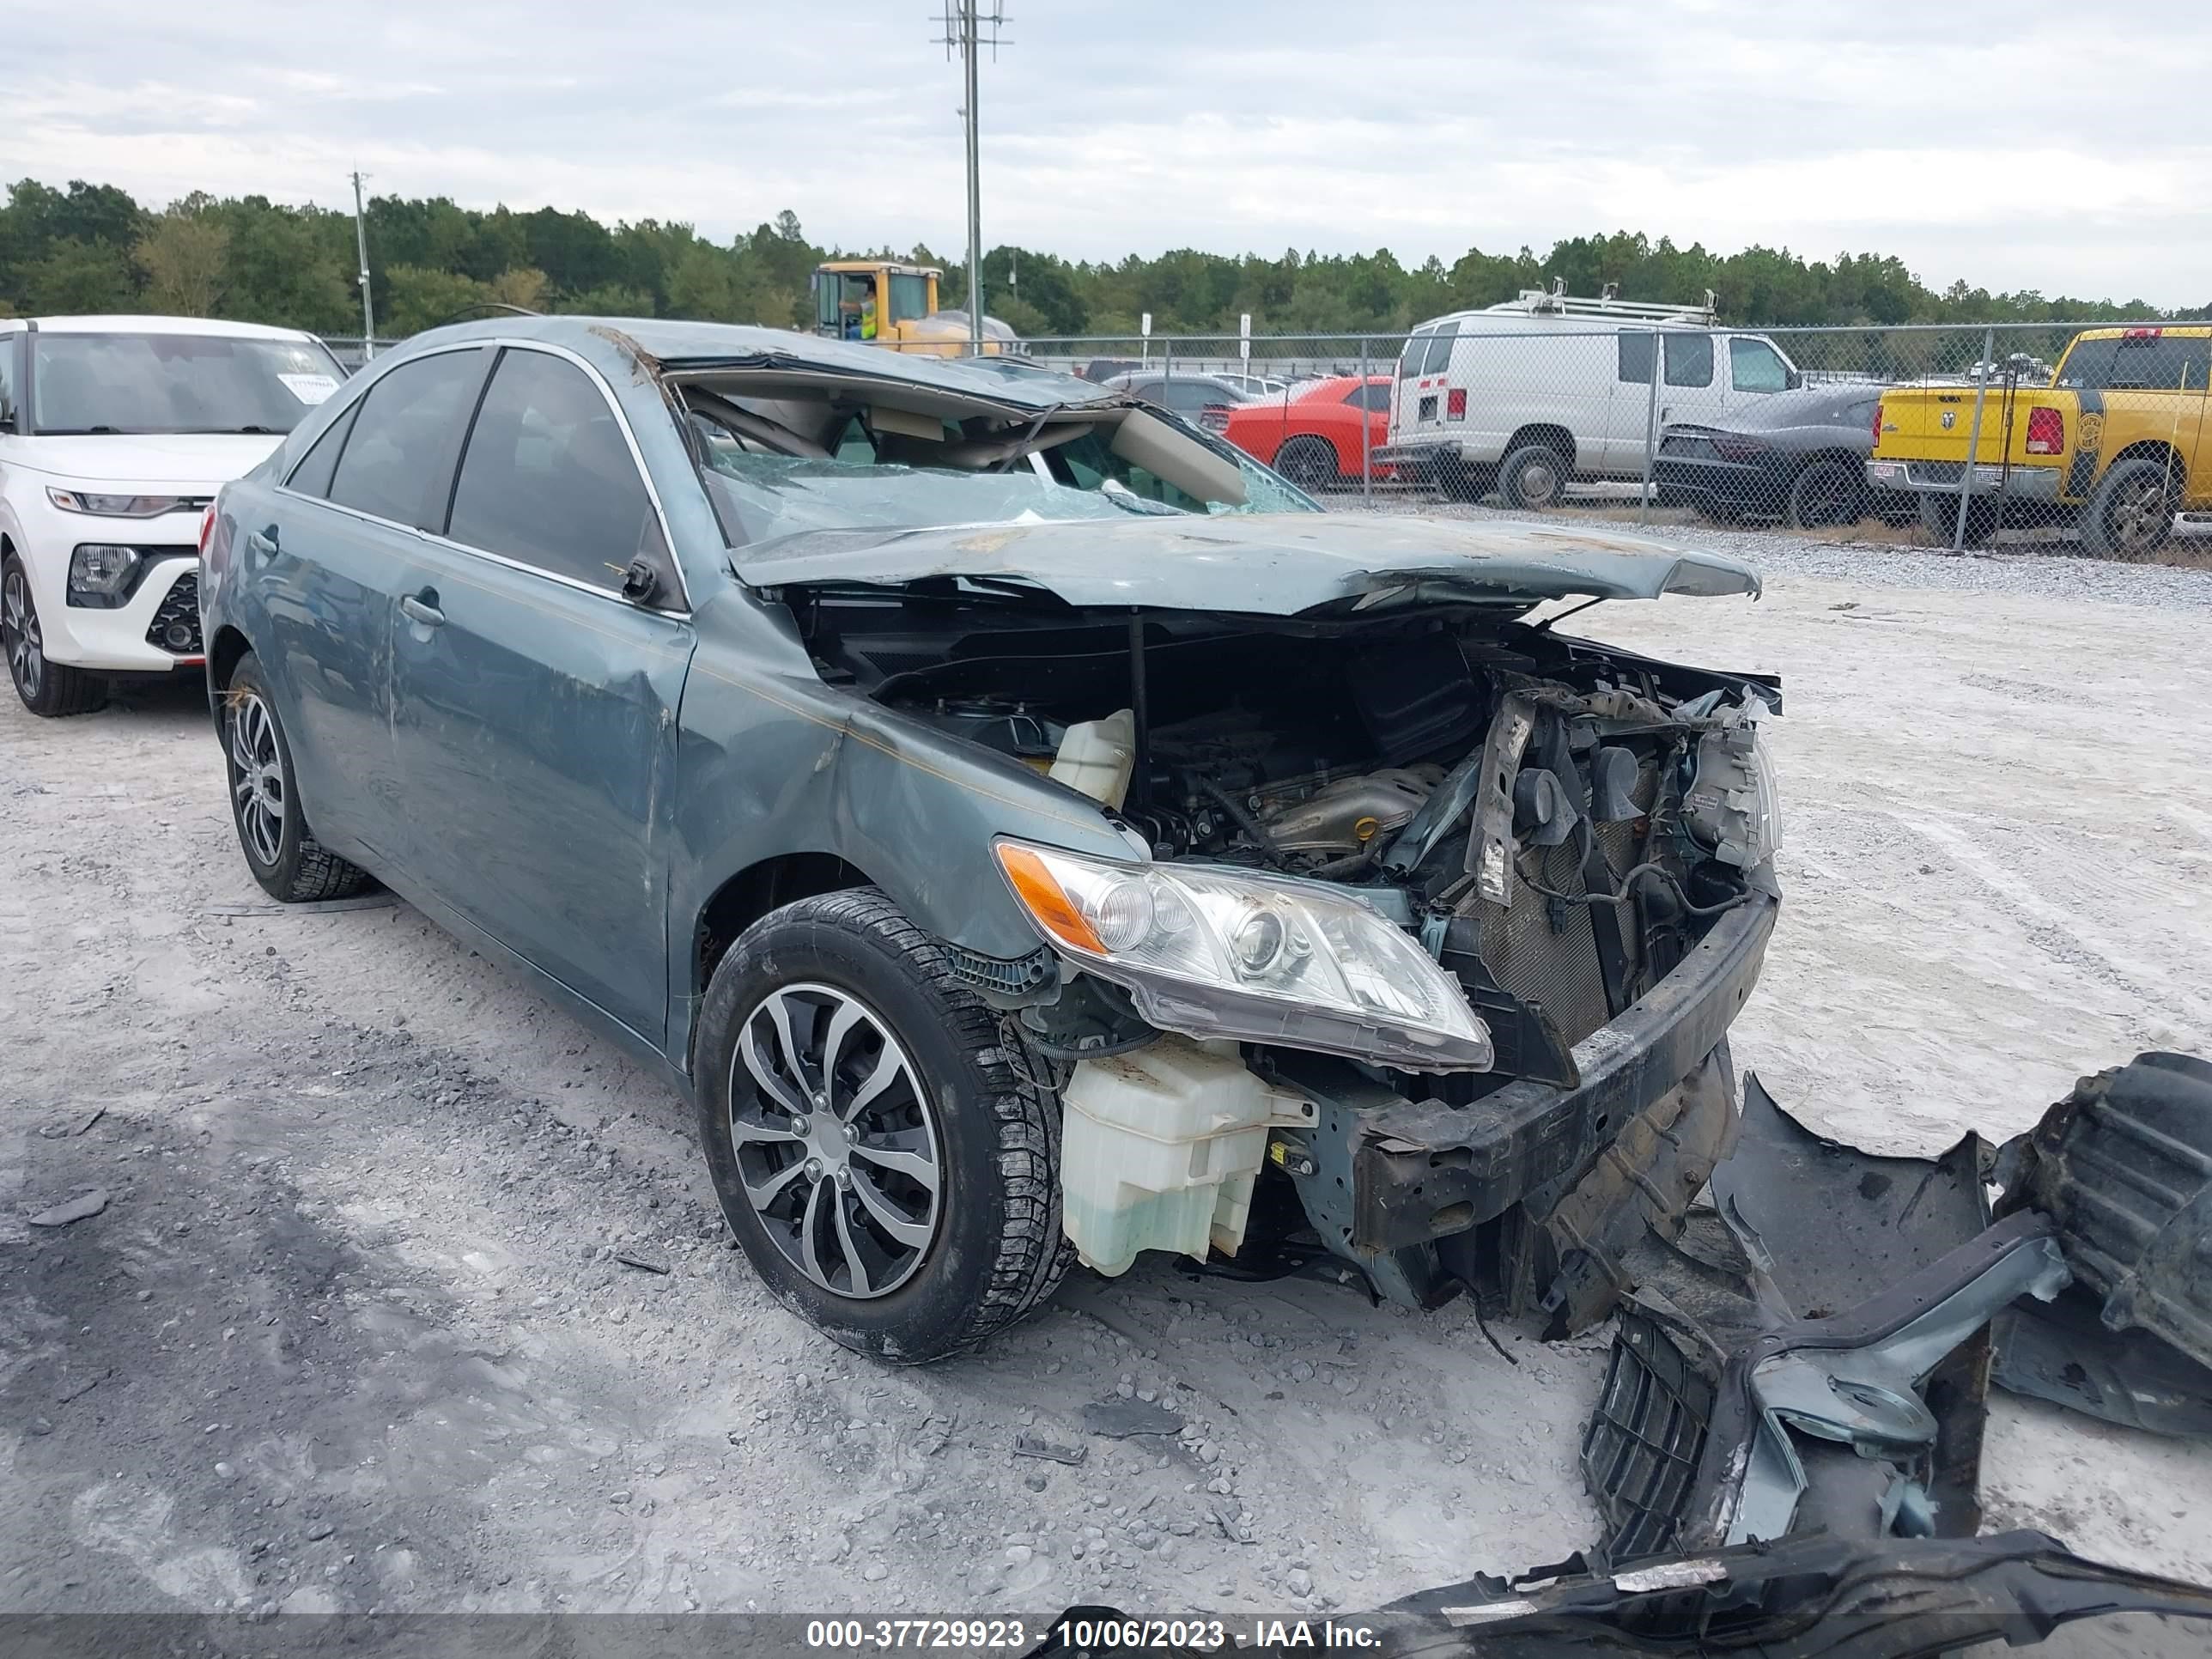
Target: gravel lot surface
{"x": 353, "y": 1328}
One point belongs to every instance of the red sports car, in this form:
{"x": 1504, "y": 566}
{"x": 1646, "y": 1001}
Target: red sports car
{"x": 1310, "y": 433}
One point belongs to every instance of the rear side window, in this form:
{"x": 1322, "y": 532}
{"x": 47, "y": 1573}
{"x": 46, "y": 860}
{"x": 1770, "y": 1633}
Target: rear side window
{"x": 1374, "y": 398}
{"x": 548, "y": 478}
{"x": 1415, "y": 354}
{"x": 1440, "y": 349}
{"x": 312, "y": 475}
{"x": 1690, "y": 360}
{"x": 1755, "y": 366}
{"x": 395, "y": 463}
{"x": 1635, "y": 356}
{"x": 2138, "y": 362}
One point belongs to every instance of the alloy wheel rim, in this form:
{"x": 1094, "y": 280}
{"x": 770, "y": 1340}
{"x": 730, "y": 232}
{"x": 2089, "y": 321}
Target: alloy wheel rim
{"x": 836, "y": 1140}
{"x": 2135, "y": 514}
{"x": 256, "y": 776}
{"x": 27, "y": 653}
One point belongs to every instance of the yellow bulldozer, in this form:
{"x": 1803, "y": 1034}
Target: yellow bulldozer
{"x": 892, "y": 305}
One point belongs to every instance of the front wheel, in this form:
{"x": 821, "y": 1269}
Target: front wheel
{"x": 2130, "y": 514}
{"x": 48, "y": 689}
{"x": 885, "y": 1153}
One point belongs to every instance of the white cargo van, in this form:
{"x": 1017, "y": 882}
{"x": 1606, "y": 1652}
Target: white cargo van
{"x": 1525, "y": 396}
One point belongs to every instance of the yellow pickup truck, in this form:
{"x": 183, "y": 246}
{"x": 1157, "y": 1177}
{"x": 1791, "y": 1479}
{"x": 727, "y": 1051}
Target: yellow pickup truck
{"x": 2112, "y": 442}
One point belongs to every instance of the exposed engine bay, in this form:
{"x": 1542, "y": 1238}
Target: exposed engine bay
{"x": 1555, "y": 821}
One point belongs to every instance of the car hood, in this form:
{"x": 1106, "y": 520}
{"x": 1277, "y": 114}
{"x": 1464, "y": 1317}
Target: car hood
{"x": 1268, "y": 564}
{"x": 154, "y": 462}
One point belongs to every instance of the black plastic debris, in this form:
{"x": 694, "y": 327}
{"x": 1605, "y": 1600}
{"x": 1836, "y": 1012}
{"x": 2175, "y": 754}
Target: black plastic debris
{"x": 1123, "y": 1419}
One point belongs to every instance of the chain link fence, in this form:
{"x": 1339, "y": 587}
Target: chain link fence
{"x": 1951, "y": 436}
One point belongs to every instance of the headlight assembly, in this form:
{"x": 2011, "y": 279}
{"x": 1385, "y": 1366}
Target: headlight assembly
{"x": 102, "y": 575}
{"x": 115, "y": 507}
{"x": 1212, "y": 952}
{"x": 1731, "y": 806}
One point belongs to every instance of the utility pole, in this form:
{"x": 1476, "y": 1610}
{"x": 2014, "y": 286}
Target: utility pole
{"x": 968, "y": 28}
{"x": 361, "y": 245}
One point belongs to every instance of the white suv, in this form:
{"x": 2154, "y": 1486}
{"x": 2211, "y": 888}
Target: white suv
{"x": 115, "y": 434}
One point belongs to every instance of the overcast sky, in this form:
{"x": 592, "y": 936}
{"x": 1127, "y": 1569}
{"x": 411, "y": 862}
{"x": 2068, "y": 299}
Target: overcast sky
{"x": 2020, "y": 145}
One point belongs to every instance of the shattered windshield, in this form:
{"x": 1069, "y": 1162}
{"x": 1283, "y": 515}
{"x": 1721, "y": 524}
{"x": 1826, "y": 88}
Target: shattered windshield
{"x": 890, "y": 471}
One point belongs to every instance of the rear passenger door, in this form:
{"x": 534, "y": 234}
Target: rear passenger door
{"x": 533, "y": 706}
{"x": 326, "y": 569}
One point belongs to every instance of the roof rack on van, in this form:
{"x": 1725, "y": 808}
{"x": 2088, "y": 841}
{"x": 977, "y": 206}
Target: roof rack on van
{"x": 1557, "y": 302}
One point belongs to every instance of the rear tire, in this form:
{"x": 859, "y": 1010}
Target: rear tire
{"x": 971, "y": 1241}
{"x": 49, "y": 690}
{"x": 1939, "y": 517}
{"x": 1824, "y": 494}
{"x": 2131, "y": 513}
{"x": 1534, "y": 478}
{"x": 291, "y": 866}
{"x": 1308, "y": 462}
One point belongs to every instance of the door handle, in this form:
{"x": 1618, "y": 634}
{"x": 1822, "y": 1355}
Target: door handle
{"x": 263, "y": 542}
{"x": 423, "y": 608}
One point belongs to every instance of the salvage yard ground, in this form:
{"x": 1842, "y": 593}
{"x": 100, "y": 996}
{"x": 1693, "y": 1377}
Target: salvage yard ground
{"x": 408, "y": 1293}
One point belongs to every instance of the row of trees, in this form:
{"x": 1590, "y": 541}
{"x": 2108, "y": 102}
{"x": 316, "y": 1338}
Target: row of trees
{"x": 92, "y": 247}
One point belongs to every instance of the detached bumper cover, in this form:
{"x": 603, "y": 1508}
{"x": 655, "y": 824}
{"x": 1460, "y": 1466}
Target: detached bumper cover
{"x": 1422, "y": 1169}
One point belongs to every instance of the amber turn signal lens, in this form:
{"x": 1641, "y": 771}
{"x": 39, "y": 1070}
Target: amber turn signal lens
{"x": 1045, "y": 901}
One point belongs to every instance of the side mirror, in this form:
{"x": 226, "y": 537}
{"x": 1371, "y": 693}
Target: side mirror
{"x": 1793, "y": 379}
{"x": 641, "y": 583}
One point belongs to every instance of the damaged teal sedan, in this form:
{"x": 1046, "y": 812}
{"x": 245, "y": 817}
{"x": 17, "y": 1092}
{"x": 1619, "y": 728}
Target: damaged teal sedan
{"x": 1027, "y": 828}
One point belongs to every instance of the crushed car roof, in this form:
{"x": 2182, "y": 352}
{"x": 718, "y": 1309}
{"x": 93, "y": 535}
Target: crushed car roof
{"x": 695, "y": 346}
{"x": 1268, "y": 564}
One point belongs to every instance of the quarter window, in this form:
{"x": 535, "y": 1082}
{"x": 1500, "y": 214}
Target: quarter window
{"x": 548, "y": 478}
{"x": 1755, "y": 366}
{"x": 1375, "y": 398}
{"x": 312, "y": 475}
{"x": 397, "y": 461}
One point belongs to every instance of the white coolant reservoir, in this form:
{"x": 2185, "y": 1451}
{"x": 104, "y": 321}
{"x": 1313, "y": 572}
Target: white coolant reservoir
{"x": 1161, "y": 1147}
{"x": 1095, "y": 756}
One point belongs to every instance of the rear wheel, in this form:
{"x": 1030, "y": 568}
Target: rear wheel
{"x": 2131, "y": 513}
{"x": 1828, "y": 491}
{"x": 1939, "y": 517}
{"x": 1534, "y": 478}
{"x": 291, "y": 866}
{"x": 1308, "y": 462}
{"x": 882, "y": 1147}
{"x": 49, "y": 688}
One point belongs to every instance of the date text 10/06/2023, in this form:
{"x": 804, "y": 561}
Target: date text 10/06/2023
{"x": 1089, "y": 1634}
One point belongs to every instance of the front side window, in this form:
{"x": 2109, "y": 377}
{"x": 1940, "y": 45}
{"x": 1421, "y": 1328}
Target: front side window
{"x": 165, "y": 383}
{"x": 909, "y": 298}
{"x": 395, "y": 461}
{"x": 1690, "y": 360}
{"x": 1755, "y": 366}
{"x": 548, "y": 478}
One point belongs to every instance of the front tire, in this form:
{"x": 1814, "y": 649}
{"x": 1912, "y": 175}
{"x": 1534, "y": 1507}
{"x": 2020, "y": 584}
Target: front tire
{"x": 50, "y": 689}
{"x": 2131, "y": 513}
{"x": 885, "y": 1153}
{"x": 291, "y": 866}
